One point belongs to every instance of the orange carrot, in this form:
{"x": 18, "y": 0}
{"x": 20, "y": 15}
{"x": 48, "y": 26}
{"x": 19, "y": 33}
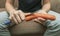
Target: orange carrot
{"x": 45, "y": 16}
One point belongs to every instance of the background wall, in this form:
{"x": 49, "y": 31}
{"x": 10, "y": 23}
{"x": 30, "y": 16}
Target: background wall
{"x": 55, "y": 5}
{"x": 2, "y": 3}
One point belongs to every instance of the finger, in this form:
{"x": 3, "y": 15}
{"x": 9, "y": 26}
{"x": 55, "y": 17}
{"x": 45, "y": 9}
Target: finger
{"x": 10, "y": 18}
{"x": 17, "y": 18}
{"x": 36, "y": 20}
{"x": 41, "y": 19}
{"x": 14, "y": 19}
{"x": 22, "y": 15}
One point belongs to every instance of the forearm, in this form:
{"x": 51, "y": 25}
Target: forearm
{"x": 9, "y": 7}
{"x": 46, "y": 7}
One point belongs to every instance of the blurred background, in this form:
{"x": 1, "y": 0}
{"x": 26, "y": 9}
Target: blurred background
{"x": 55, "y": 5}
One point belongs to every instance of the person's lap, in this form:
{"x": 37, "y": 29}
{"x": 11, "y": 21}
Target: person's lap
{"x": 22, "y": 28}
{"x": 32, "y": 27}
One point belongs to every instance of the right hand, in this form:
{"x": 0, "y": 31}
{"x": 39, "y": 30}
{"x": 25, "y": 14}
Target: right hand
{"x": 17, "y": 16}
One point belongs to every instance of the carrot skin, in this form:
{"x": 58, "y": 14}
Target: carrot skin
{"x": 45, "y": 16}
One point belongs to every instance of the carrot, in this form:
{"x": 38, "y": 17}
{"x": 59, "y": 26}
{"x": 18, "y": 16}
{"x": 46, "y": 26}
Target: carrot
{"x": 45, "y": 16}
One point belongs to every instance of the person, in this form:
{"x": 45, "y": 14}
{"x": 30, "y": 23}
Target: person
{"x": 27, "y": 7}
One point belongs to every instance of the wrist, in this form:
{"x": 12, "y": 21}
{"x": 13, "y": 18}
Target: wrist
{"x": 9, "y": 11}
{"x": 45, "y": 10}
{"x": 41, "y": 11}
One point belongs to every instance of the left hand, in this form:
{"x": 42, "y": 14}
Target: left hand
{"x": 40, "y": 19}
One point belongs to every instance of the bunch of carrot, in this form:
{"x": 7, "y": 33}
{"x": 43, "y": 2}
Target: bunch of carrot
{"x": 45, "y": 16}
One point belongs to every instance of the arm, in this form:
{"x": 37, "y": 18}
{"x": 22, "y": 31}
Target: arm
{"x": 15, "y": 16}
{"x": 45, "y": 7}
{"x": 9, "y": 7}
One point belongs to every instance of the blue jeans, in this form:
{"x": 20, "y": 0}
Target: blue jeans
{"x": 53, "y": 27}
{"x": 3, "y": 27}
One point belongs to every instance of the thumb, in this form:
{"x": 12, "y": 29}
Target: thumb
{"x": 10, "y": 17}
{"x": 41, "y": 19}
{"x": 27, "y": 14}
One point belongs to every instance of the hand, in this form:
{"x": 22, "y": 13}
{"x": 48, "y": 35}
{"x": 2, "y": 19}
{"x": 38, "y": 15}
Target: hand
{"x": 40, "y": 19}
{"x": 17, "y": 16}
